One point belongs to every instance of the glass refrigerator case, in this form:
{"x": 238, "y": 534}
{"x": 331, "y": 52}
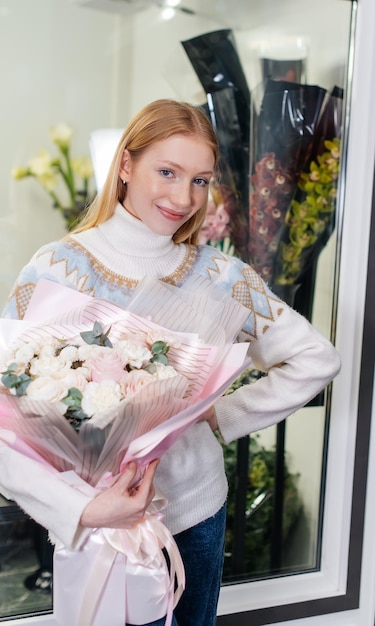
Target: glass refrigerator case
{"x": 277, "y": 80}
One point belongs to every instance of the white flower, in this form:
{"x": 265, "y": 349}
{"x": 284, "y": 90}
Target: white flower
{"x": 46, "y": 365}
{"x": 41, "y": 164}
{"x": 47, "y": 388}
{"x": 133, "y": 381}
{"x": 135, "y": 353}
{"x": 164, "y": 371}
{"x": 82, "y": 166}
{"x": 72, "y": 378}
{"x": 68, "y": 355}
{"x": 158, "y": 335}
{"x": 87, "y": 352}
{"x": 48, "y": 180}
{"x": 61, "y": 135}
{"x": 25, "y": 353}
{"x": 48, "y": 346}
{"x": 100, "y": 397}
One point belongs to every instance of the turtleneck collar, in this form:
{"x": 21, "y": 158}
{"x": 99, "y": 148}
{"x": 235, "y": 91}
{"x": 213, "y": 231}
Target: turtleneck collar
{"x": 126, "y": 246}
{"x": 126, "y": 233}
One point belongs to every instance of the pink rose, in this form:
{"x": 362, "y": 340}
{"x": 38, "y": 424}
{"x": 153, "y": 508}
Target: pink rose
{"x": 133, "y": 381}
{"x": 107, "y": 365}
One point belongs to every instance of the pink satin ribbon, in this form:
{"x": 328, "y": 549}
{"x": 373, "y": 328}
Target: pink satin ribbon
{"x": 142, "y": 546}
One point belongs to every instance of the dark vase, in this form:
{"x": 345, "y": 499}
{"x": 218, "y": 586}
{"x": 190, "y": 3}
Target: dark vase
{"x": 216, "y": 62}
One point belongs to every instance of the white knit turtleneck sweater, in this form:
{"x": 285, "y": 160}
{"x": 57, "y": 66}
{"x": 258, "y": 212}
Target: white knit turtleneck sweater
{"x": 129, "y": 248}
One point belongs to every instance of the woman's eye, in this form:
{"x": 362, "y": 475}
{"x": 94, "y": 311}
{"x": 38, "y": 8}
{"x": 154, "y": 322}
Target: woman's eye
{"x": 202, "y": 182}
{"x": 166, "y": 173}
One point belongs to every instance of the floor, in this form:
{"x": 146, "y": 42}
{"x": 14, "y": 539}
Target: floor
{"x": 18, "y": 560}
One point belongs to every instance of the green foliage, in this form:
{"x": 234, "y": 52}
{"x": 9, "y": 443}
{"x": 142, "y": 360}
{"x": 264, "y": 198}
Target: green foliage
{"x": 16, "y": 382}
{"x": 259, "y": 505}
{"x": 159, "y": 351}
{"x": 309, "y": 217}
{"x": 97, "y": 336}
{"x": 74, "y": 413}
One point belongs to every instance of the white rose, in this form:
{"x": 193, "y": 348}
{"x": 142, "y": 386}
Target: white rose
{"x": 45, "y": 366}
{"x": 164, "y": 371}
{"x": 158, "y": 335}
{"x": 87, "y": 352}
{"x": 135, "y": 353}
{"x": 47, "y": 388}
{"x": 72, "y": 378}
{"x": 100, "y": 396}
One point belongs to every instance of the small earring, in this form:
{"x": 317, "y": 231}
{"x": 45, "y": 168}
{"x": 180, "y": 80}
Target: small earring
{"x": 123, "y": 182}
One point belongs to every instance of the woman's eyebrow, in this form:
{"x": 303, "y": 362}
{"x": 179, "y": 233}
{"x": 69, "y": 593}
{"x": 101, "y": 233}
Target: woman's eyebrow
{"x": 181, "y": 167}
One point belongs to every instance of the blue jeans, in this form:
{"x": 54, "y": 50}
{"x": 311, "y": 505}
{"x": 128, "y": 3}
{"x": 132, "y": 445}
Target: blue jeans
{"x": 202, "y": 551}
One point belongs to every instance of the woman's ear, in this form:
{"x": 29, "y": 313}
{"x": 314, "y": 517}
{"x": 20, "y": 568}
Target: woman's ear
{"x": 125, "y": 166}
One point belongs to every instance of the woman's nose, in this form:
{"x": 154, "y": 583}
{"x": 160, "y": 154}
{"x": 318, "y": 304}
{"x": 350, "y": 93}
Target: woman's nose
{"x": 182, "y": 195}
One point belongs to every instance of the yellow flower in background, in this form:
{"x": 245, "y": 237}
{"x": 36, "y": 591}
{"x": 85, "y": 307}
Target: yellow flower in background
{"x": 40, "y": 164}
{"x": 73, "y": 195}
{"x": 20, "y": 172}
{"x": 82, "y": 166}
{"x": 48, "y": 180}
{"x": 61, "y": 135}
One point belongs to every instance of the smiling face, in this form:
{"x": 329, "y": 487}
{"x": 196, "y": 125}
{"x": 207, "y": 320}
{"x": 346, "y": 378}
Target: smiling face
{"x": 168, "y": 183}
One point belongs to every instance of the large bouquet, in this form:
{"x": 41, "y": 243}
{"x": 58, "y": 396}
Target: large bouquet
{"x": 87, "y": 387}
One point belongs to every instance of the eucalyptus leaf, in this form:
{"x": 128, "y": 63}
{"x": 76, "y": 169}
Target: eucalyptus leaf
{"x": 97, "y": 336}
{"x": 160, "y": 358}
{"x": 18, "y": 382}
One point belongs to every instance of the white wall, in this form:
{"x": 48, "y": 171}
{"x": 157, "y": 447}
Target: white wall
{"x": 59, "y": 63}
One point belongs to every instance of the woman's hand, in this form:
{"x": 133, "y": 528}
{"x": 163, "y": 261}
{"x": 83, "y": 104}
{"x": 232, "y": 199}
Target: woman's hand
{"x": 122, "y": 505}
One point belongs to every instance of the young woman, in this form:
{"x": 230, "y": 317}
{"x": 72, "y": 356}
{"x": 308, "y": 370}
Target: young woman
{"x": 146, "y": 222}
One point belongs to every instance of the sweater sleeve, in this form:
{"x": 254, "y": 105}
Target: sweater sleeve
{"x": 43, "y": 495}
{"x": 299, "y": 362}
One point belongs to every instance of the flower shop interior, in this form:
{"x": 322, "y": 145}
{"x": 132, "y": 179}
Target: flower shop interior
{"x": 286, "y": 85}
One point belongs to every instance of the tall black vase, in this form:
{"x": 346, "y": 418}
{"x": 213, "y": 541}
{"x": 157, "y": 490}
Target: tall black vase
{"x": 216, "y": 62}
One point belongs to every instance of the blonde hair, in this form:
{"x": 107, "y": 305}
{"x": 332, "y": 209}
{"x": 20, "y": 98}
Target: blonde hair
{"x": 155, "y": 122}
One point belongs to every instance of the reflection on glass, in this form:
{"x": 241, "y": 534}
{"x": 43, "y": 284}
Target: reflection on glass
{"x": 22, "y": 553}
{"x": 90, "y": 86}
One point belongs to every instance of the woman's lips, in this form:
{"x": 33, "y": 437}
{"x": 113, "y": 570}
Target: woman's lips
{"x": 169, "y": 214}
